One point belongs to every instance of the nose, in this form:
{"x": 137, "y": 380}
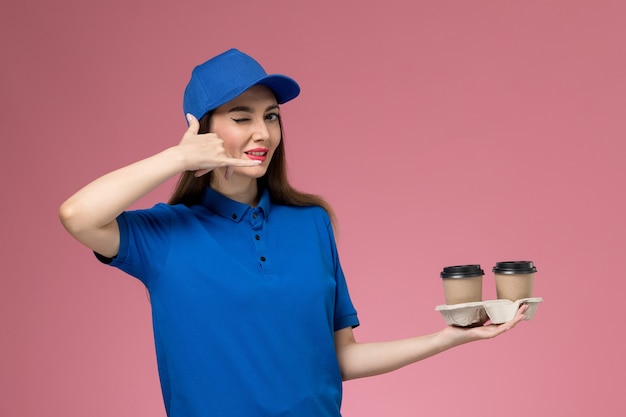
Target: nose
{"x": 260, "y": 131}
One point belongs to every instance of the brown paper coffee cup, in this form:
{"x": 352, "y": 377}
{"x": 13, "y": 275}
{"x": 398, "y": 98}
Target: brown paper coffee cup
{"x": 514, "y": 279}
{"x": 462, "y": 284}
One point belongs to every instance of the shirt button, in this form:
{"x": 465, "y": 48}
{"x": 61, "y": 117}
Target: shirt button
{"x": 234, "y": 217}
{"x": 262, "y": 258}
{"x": 257, "y": 237}
{"x": 254, "y": 215}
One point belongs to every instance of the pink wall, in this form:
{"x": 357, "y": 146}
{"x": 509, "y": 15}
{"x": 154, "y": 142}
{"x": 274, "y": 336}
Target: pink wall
{"x": 441, "y": 131}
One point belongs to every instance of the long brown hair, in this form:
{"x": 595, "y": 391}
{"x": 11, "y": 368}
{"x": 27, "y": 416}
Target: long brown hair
{"x": 190, "y": 188}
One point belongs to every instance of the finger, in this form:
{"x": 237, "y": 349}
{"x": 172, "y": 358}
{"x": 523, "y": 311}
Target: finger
{"x": 236, "y": 162}
{"x": 521, "y": 312}
{"x": 201, "y": 172}
{"x": 229, "y": 172}
{"x": 519, "y": 316}
{"x": 194, "y": 125}
{"x": 230, "y": 164}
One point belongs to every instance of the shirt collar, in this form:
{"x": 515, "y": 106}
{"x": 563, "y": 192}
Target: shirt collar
{"x": 231, "y": 209}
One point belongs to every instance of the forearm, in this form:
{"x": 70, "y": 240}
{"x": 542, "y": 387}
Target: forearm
{"x": 99, "y": 203}
{"x": 357, "y": 360}
{"x": 360, "y": 360}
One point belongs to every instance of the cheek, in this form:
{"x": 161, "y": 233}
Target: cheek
{"x": 231, "y": 148}
{"x": 276, "y": 134}
{"x": 232, "y": 145}
{"x": 275, "y": 146}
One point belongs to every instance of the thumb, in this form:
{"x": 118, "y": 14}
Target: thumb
{"x": 194, "y": 125}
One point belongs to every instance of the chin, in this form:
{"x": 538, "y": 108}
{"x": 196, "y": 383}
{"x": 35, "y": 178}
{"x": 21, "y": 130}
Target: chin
{"x": 252, "y": 172}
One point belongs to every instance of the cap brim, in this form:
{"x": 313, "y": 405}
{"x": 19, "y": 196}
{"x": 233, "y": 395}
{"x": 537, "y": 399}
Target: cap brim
{"x": 285, "y": 88}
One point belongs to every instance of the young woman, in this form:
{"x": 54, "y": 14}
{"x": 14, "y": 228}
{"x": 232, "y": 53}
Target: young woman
{"x": 251, "y": 312}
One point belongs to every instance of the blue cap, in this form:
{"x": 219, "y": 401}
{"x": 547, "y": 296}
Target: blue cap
{"x": 227, "y": 75}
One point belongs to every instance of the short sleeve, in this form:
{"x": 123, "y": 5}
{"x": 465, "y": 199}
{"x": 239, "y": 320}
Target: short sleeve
{"x": 145, "y": 237}
{"x": 345, "y": 313}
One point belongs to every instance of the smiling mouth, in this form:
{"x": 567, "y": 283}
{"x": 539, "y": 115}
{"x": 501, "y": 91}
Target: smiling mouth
{"x": 257, "y": 154}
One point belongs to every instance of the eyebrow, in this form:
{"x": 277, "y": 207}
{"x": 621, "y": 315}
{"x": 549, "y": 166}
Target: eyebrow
{"x": 249, "y": 109}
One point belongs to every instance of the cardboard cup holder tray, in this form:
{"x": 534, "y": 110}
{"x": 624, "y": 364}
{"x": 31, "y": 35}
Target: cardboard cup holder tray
{"x": 478, "y": 313}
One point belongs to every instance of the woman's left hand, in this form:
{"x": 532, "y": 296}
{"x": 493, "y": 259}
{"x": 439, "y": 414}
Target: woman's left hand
{"x": 459, "y": 335}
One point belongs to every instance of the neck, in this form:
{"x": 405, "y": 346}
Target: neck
{"x": 242, "y": 190}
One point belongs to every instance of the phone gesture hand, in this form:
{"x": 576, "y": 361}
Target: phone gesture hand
{"x": 205, "y": 152}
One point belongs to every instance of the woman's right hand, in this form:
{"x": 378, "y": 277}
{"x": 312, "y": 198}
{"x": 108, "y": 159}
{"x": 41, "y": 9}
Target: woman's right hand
{"x": 90, "y": 214}
{"x": 205, "y": 152}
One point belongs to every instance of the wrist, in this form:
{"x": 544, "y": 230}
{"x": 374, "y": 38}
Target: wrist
{"x": 175, "y": 159}
{"x": 450, "y": 337}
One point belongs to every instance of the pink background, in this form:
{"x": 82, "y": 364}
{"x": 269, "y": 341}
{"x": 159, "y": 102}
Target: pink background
{"x": 443, "y": 132}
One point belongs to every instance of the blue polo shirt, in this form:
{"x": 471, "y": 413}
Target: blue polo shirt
{"x": 245, "y": 302}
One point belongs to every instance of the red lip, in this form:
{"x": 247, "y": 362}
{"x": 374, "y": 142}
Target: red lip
{"x": 257, "y": 154}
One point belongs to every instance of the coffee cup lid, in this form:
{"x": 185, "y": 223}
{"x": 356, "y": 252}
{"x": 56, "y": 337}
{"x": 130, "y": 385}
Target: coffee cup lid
{"x": 514, "y": 267}
{"x": 462, "y": 271}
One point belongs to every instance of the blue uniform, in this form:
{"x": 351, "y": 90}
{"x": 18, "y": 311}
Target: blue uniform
{"x": 245, "y": 302}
